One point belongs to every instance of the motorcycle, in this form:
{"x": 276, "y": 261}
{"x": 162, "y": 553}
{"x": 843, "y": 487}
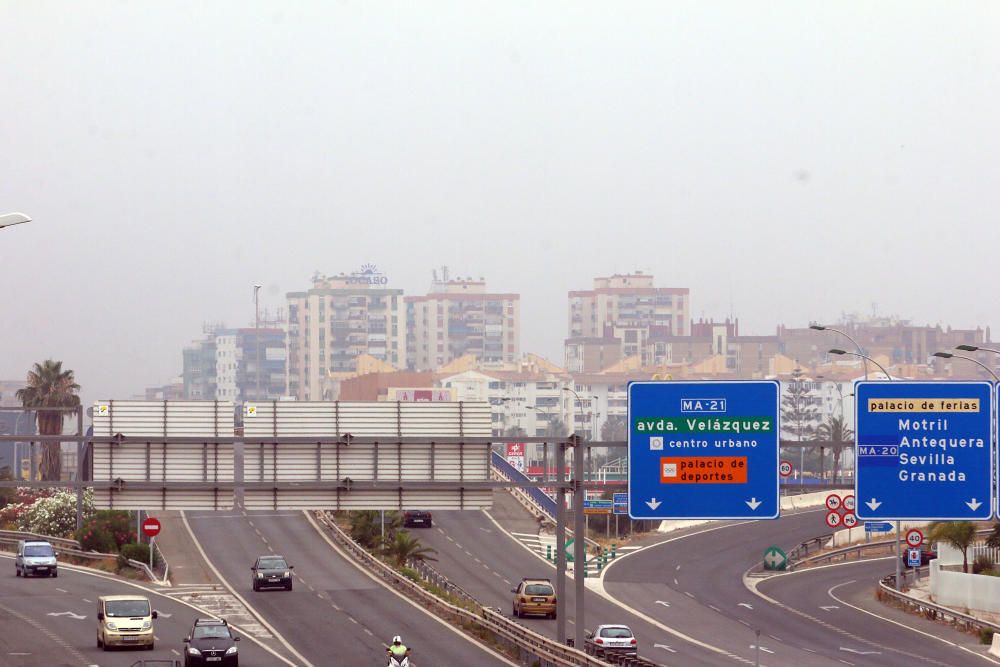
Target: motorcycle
{"x": 399, "y": 662}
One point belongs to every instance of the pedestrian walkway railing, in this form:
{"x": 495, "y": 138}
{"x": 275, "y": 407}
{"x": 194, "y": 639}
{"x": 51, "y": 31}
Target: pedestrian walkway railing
{"x": 541, "y": 500}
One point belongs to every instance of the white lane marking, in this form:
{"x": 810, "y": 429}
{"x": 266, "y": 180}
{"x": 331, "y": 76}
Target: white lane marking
{"x": 664, "y": 647}
{"x": 67, "y": 613}
{"x": 752, "y": 584}
{"x": 263, "y": 621}
{"x": 450, "y": 538}
{"x": 762, "y": 648}
{"x": 677, "y": 569}
{"x": 675, "y": 581}
{"x": 340, "y": 552}
{"x": 175, "y": 651}
{"x": 744, "y": 604}
{"x": 828, "y": 607}
{"x": 368, "y": 632}
{"x": 663, "y": 602}
{"x": 508, "y": 582}
{"x": 847, "y": 663}
{"x": 351, "y": 619}
{"x": 775, "y": 638}
{"x": 632, "y": 610}
{"x": 477, "y": 560}
{"x": 87, "y": 601}
{"x": 714, "y": 608}
{"x": 854, "y": 650}
{"x": 62, "y": 591}
{"x": 809, "y": 649}
{"x": 689, "y": 595}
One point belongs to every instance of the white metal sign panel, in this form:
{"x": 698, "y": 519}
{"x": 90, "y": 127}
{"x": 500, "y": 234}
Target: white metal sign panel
{"x": 157, "y": 461}
{"x": 387, "y": 461}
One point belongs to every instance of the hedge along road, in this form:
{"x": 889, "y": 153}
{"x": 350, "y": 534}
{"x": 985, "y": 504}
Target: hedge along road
{"x": 334, "y": 612}
{"x": 66, "y": 608}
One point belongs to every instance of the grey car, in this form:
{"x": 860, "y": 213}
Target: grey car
{"x": 271, "y": 572}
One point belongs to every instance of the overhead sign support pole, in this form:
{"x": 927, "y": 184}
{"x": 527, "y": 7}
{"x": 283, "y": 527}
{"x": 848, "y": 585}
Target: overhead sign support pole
{"x": 580, "y": 545}
{"x": 560, "y": 541}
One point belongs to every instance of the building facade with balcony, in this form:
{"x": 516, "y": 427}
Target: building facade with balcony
{"x": 628, "y": 308}
{"x": 459, "y": 317}
{"x": 337, "y": 320}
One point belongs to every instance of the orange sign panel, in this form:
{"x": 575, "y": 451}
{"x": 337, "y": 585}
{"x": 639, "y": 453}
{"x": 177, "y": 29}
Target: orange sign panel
{"x": 703, "y": 470}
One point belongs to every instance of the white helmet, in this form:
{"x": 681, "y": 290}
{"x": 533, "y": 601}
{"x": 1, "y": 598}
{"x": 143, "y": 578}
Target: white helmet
{"x": 397, "y": 640}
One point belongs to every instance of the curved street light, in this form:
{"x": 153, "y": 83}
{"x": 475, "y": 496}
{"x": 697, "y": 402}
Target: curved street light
{"x": 861, "y": 352}
{"x": 974, "y": 348}
{"x": 10, "y": 219}
{"x": 949, "y": 355}
{"x": 579, "y": 403}
{"x": 866, "y": 358}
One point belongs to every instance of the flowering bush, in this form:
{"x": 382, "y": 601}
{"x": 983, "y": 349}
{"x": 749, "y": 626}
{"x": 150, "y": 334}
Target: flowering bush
{"x": 53, "y": 515}
{"x": 106, "y": 531}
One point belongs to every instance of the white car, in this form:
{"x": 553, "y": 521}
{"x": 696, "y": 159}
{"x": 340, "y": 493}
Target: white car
{"x": 607, "y": 639}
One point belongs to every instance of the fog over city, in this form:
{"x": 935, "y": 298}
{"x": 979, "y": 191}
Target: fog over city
{"x": 788, "y": 162}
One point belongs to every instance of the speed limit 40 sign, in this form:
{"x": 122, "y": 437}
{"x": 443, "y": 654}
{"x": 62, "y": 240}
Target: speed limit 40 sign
{"x": 914, "y": 537}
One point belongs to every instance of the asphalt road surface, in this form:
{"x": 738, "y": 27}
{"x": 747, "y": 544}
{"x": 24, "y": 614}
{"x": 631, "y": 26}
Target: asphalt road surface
{"x": 335, "y": 614}
{"x": 50, "y": 622}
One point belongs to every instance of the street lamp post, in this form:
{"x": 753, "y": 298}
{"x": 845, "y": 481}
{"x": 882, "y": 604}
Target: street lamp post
{"x": 256, "y": 336}
{"x": 11, "y": 219}
{"x": 949, "y": 355}
{"x": 861, "y": 352}
{"x": 866, "y": 358}
{"x": 579, "y": 404}
{"x": 889, "y": 377}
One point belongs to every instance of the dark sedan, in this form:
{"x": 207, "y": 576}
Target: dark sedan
{"x": 211, "y": 643}
{"x": 271, "y": 572}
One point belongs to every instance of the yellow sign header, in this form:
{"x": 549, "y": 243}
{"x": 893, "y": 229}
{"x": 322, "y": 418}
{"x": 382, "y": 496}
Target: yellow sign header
{"x": 923, "y": 405}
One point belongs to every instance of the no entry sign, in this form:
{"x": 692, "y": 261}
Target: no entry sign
{"x": 151, "y": 527}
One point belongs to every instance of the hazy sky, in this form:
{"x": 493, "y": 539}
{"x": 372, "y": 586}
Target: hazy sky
{"x": 796, "y": 159}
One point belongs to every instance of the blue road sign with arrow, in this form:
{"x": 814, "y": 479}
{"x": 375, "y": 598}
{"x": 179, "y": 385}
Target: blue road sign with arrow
{"x": 924, "y": 451}
{"x": 620, "y": 503}
{"x": 703, "y": 450}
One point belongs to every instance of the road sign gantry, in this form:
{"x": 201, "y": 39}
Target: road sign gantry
{"x": 924, "y": 451}
{"x": 703, "y": 450}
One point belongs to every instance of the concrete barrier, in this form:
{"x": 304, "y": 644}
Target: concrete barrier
{"x": 978, "y": 592}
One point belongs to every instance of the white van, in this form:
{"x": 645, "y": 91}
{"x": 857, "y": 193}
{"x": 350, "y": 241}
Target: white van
{"x": 35, "y": 557}
{"x": 124, "y": 620}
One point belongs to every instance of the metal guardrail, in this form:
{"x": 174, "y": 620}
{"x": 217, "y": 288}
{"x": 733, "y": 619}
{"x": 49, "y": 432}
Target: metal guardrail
{"x": 933, "y": 610}
{"x": 842, "y": 552}
{"x": 803, "y": 547}
{"x": 436, "y": 578}
{"x": 529, "y": 645}
{"x": 10, "y": 538}
{"x": 57, "y": 542}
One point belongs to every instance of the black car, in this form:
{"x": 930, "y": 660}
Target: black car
{"x": 271, "y": 572}
{"x": 417, "y": 518}
{"x": 211, "y": 643}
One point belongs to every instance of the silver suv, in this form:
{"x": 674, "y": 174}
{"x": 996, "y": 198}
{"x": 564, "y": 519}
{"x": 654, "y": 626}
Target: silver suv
{"x": 35, "y": 557}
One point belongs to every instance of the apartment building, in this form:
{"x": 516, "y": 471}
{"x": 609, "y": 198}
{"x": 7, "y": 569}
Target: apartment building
{"x": 338, "y": 319}
{"x": 625, "y": 307}
{"x": 459, "y": 317}
{"x": 223, "y": 365}
{"x": 744, "y": 356}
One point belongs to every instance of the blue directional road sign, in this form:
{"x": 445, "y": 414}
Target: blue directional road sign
{"x": 877, "y": 526}
{"x": 924, "y": 451}
{"x": 703, "y": 450}
{"x": 620, "y": 503}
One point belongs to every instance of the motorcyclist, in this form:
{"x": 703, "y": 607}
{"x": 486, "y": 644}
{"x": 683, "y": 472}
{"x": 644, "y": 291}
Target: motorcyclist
{"x": 397, "y": 649}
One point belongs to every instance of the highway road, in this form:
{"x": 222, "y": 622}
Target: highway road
{"x": 838, "y": 615}
{"x": 50, "y": 622}
{"x": 335, "y": 614}
{"x": 478, "y": 556}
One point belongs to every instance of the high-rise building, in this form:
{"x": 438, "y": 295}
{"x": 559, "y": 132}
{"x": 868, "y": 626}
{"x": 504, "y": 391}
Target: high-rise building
{"x": 628, "y": 308}
{"x": 223, "y": 365}
{"x": 338, "y": 319}
{"x": 459, "y": 317}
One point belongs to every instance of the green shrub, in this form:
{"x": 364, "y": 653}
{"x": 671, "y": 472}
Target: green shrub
{"x": 106, "y": 531}
{"x": 139, "y": 552}
{"x": 982, "y": 564}
{"x": 985, "y": 636}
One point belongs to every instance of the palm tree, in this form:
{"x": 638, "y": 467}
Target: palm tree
{"x": 959, "y": 534}
{"x": 49, "y": 386}
{"x": 614, "y": 428}
{"x": 835, "y": 430}
{"x": 366, "y": 527}
{"x": 514, "y": 432}
{"x": 403, "y": 548}
{"x": 555, "y": 428}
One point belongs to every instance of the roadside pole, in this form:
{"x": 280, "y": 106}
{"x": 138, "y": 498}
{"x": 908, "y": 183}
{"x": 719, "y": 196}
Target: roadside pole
{"x": 79, "y": 466}
{"x": 560, "y": 544}
{"x": 580, "y": 540}
{"x": 899, "y": 584}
